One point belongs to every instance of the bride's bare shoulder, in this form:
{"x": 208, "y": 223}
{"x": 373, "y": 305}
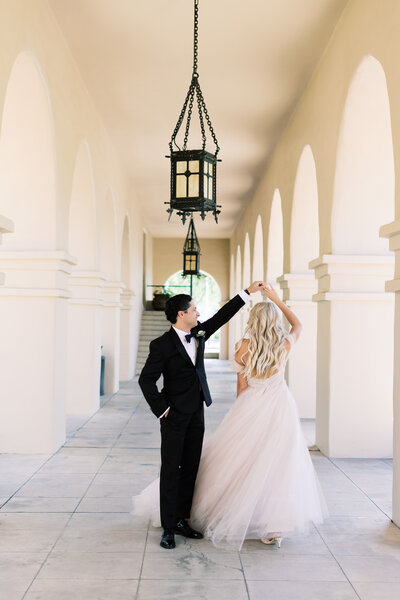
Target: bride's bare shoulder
{"x": 241, "y": 349}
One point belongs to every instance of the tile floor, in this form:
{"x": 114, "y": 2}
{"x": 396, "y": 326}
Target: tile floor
{"x": 66, "y": 531}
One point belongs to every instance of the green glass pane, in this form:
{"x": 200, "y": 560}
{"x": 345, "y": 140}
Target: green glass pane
{"x": 193, "y": 186}
{"x": 210, "y": 168}
{"x": 181, "y": 166}
{"x": 181, "y": 186}
{"x": 194, "y": 166}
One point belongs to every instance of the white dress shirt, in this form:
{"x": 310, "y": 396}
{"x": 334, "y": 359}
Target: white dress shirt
{"x": 191, "y": 347}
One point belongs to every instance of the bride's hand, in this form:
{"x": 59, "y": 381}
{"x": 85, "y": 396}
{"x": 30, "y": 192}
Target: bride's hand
{"x": 271, "y": 293}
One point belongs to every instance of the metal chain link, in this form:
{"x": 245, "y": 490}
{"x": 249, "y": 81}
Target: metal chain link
{"x": 194, "y": 88}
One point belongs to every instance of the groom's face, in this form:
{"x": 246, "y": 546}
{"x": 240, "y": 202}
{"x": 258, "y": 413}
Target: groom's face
{"x": 190, "y": 315}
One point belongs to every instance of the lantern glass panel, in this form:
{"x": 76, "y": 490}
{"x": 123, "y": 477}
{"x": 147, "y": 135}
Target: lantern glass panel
{"x": 205, "y": 184}
{"x": 194, "y": 166}
{"x": 193, "y": 186}
{"x": 181, "y": 186}
{"x": 181, "y": 166}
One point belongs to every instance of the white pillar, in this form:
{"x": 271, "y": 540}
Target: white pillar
{"x": 110, "y": 336}
{"x": 354, "y": 416}
{"x": 6, "y": 226}
{"x": 301, "y": 372}
{"x": 84, "y": 343}
{"x": 33, "y": 341}
{"x": 392, "y": 232}
{"x": 127, "y": 358}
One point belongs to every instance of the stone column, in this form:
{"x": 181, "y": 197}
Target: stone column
{"x": 392, "y": 232}
{"x": 301, "y": 372}
{"x": 127, "y": 353}
{"x": 33, "y": 342}
{"x": 354, "y": 416}
{"x": 110, "y": 336}
{"x": 6, "y": 226}
{"x": 84, "y": 342}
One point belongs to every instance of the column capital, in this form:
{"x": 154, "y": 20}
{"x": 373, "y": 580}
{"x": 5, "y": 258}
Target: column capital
{"x": 6, "y": 225}
{"x": 86, "y": 287}
{"x": 297, "y": 288}
{"x": 127, "y": 299}
{"x": 352, "y": 277}
{"x": 112, "y": 293}
{"x": 36, "y": 272}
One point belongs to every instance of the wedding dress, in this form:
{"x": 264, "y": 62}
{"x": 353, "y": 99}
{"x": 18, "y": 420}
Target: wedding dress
{"x": 255, "y": 476}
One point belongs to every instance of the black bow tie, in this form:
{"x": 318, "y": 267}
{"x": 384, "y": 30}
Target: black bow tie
{"x": 188, "y": 337}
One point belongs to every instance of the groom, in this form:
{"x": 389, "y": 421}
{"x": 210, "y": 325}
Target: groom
{"x": 179, "y": 356}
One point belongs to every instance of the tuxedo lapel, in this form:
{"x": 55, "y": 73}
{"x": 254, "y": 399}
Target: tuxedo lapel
{"x": 179, "y": 346}
{"x": 200, "y": 352}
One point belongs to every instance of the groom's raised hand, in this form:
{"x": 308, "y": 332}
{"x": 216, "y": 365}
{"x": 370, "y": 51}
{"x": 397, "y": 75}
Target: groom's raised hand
{"x": 256, "y": 286}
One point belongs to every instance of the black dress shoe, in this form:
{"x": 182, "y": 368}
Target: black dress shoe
{"x": 183, "y": 528}
{"x": 168, "y": 539}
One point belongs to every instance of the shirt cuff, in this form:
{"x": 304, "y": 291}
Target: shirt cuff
{"x": 164, "y": 412}
{"x": 244, "y": 296}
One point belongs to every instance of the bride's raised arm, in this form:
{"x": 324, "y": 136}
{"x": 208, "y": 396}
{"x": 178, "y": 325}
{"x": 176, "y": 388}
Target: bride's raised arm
{"x": 294, "y": 322}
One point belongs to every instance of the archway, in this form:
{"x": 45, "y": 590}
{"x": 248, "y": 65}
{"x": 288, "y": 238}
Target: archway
{"x": 299, "y": 284}
{"x": 275, "y": 241}
{"x": 127, "y": 298}
{"x": 84, "y": 309}
{"x": 207, "y": 294}
{"x": 258, "y": 258}
{"x": 110, "y": 336}
{"x": 238, "y": 286}
{"x": 355, "y": 315}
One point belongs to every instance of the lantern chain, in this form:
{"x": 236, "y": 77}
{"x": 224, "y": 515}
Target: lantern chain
{"x": 194, "y": 88}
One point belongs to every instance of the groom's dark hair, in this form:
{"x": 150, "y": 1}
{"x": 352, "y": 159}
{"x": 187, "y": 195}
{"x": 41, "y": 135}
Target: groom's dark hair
{"x": 175, "y": 304}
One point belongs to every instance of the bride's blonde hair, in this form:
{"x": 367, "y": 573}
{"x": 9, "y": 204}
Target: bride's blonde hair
{"x": 267, "y": 336}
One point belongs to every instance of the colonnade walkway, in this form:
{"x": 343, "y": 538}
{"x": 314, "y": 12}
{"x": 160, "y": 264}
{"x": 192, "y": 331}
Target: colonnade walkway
{"x": 66, "y": 529}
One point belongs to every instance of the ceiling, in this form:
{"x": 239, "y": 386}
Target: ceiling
{"x": 255, "y": 58}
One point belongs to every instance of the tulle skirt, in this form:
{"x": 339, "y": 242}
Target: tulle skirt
{"x": 255, "y": 476}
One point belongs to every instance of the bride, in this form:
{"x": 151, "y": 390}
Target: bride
{"x": 256, "y": 478}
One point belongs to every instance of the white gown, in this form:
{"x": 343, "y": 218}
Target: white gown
{"x": 255, "y": 476}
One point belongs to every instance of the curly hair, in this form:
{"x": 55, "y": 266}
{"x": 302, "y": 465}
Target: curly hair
{"x": 267, "y": 336}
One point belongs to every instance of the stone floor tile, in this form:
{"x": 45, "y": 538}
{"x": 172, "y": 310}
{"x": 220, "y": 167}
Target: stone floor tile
{"x": 55, "y": 485}
{"x": 192, "y": 565}
{"x": 300, "y": 590}
{"x": 14, "y": 590}
{"x": 32, "y": 521}
{"x": 371, "y": 568}
{"x": 114, "y": 504}
{"x": 92, "y": 522}
{"x": 64, "y": 463}
{"x": 285, "y": 567}
{"x": 364, "y": 544}
{"x": 151, "y": 589}
{"x": 334, "y": 525}
{"x": 91, "y": 566}
{"x": 39, "y": 504}
{"x": 378, "y": 591}
{"x": 16, "y": 566}
{"x": 70, "y": 589}
{"x": 29, "y": 540}
{"x": 103, "y": 540}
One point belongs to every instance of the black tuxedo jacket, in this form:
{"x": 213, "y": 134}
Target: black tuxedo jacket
{"x": 185, "y": 384}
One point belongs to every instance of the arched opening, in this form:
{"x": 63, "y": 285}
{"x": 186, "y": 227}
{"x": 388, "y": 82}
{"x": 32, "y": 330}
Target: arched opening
{"x": 207, "y": 295}
{"x": 299, "y": 285}
{"x": 126, "y": 321}
{"x": 28, "y": 180}
{"x": 275, "y": 241}
{"x": 258, "y": 258}
{"x": 232, "y": 288}
{"x": 244, "y": 313}
{"x": 84, "y": 311}
{"x": 238, "y": 286}
{"x": 304, "y": 231}
{"x": 82, "y": 213}
{"x": 355, "y": 336}
{"x": 110, "y": 331}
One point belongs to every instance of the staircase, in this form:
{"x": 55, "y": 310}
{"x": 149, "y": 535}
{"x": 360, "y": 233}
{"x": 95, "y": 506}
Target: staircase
{"x": 154, "y": 324}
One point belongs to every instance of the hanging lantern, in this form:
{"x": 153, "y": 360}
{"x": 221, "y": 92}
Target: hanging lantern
{"x": 191, "y": 252}
{"x": 193, "y": 172}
